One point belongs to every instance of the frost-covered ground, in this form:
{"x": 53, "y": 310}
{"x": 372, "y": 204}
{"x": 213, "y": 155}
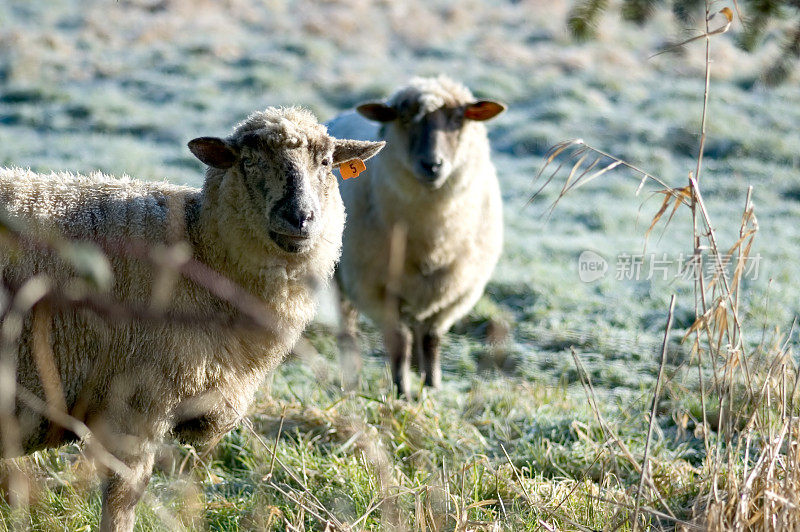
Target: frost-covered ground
{"x": 121, "y": 86}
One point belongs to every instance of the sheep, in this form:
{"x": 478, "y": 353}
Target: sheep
{"x": 436, "y": 184}
{"x": 269, "y": 217}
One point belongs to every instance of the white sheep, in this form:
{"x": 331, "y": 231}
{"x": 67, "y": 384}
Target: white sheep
{"x": 269, "y": 217}
{"x": 436, "y": 184}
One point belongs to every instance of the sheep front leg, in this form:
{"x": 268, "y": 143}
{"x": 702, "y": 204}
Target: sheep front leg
{"x": 347, "y": 340}
{"x": 122, "y": 492}
{"x": 430, "y": 364}
{"x": 398, "y": 345}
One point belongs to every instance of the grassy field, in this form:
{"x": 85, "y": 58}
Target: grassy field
{"x": 523, "y": 435}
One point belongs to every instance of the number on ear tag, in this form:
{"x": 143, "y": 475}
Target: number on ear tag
{"x": 352, "y": 168}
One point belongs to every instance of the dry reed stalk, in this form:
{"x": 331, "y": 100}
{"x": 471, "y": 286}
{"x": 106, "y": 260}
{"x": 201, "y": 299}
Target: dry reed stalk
{"x": 743, "y": 389}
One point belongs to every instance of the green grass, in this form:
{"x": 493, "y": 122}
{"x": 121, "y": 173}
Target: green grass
{"x": 442, "y": 456}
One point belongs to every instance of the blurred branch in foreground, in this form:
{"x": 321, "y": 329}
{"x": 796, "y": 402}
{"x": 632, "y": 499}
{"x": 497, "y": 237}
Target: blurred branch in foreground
{"x": 90, "y": 262}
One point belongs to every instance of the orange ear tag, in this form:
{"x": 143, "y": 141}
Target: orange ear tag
{"x": 352, "y": 168}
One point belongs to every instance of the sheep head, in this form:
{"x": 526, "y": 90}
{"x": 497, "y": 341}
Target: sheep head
{"x": 425, "y": 121}
{"x": 284, "y": 159}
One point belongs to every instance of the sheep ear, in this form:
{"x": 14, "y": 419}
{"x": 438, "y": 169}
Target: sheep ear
{"x": 346, "y": 150}
{"x": 214, "y": 152}
{"x": 377, "y": 111}
{"x": 483, "y": 110}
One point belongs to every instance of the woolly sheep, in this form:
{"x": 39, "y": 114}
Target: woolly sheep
{"x": 435, "y": 183}
{"x": 269, "y": 217}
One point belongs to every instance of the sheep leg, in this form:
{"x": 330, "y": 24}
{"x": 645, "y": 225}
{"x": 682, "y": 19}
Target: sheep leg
{"x": 430, "y": 364}
{"x": 122, "y": 492}
{"x": 347, "y": 340}
{"x": 416, "y": 355}
{"x": 398, "y": 345}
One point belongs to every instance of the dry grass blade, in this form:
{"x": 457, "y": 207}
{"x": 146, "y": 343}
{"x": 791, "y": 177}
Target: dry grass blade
{"x": 549, "y": 157}
{"x": 685, "y": 525}
{"x": 645, "y": 465}
{"x": 552, "y": 514}
{"x": 607, "y": 430}
{"x": 610, "y": 433}
{"x": 577, "y": 150}
{"x": 729, "y": 295}
{"x": 275, "y": 449}
{"x": 516, "y": 475}
{"x": 580, "y": 480}
{"x": 331, "y": 518}
{"x": 679, "y": 196}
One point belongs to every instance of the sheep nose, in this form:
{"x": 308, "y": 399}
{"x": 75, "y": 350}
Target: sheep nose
{"x": 299, "y": 219}
{"x": 431, "y": 167}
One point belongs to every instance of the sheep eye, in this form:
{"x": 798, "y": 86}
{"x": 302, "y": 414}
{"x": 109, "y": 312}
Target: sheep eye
{"x": 326, "y": 161}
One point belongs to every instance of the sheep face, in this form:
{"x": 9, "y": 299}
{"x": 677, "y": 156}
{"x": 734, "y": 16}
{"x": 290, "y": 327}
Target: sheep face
{"x": 428, "y": 137}
{"x": 287, "y": 178}
{"x": 289, "y": 186}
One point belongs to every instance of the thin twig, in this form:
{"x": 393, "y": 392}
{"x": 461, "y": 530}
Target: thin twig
{"x": 645, "y": 465}
{"x": 306, "y": 491}
{"x": 589, "y": 389}
{"x": 277, "y": 439}
{"x": 528, "y": 499}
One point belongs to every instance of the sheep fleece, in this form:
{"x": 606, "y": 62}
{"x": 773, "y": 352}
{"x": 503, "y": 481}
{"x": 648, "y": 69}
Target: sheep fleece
{"x": 142, "y": 378}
